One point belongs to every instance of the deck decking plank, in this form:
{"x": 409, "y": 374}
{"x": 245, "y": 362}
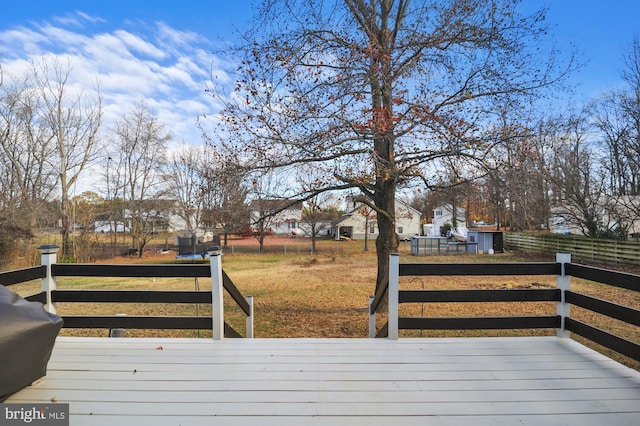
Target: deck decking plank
{"x": 460, "y": 346}
{"x": 225, "y": 375}
{"x": 337, "y": 386}
{"x": 366, "y": 366}
{"x": 347, "y": 409}
{"x": 481, "y": 381}
{"x": 295, "y": 395}
{"x": 501, "y": 420}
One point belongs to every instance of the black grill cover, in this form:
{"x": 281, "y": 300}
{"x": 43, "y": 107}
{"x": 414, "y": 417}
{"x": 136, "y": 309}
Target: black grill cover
{"x": 27, "y": 335}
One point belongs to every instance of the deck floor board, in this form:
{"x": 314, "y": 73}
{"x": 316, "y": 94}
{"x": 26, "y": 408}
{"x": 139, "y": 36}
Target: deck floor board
{"x": 466, "y": 381}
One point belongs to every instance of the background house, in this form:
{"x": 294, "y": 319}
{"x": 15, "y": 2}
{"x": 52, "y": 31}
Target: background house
{"x": 280, "y": 217}
{"x": 108, "y": 223}
{"x": 361, "y": 220}
{"x": 562, "y": 222}
{"x": 158, "y": 216}
{"x": 443, "y": 215}
{"x": 612, "y": 214}
{"x": 321, "y": 223}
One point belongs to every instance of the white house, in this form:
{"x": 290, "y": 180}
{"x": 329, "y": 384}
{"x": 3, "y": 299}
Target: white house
{"x": 108, "y": 222}
{"x": 561, "y": 222}
{"x": 361, "y": 220}
{"x": 280, "y": 217}
{"x": 564, "y": 219}
{"x": 161, "y": 215}
{"x": 443, "y": 215}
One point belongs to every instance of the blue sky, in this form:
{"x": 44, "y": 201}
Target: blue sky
{"x": 161, "y": 51}
{"x": 601, "y": 30}
{"x": 209, "y": 18}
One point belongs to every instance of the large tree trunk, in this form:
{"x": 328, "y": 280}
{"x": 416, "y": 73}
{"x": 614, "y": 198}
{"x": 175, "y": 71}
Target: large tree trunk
{"x": 314, "y": 236}
{"x": 65, "y": 216}
{"x": 366, "y": 233}
{"x": 66, "y": 228}
{"x": 387, "y": 241}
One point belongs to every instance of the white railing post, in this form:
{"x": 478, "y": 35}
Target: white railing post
{"x": 250, "y": 318}
{"x": 217, "y": 289}
{"x": 372, "y": 319}
{"x": 394, "y": 266}
{"x": 48, "y": 257}
{"x": 563, "y": 284}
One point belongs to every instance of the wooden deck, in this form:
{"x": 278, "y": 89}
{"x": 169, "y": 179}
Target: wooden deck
{"x": 466, "y": 381}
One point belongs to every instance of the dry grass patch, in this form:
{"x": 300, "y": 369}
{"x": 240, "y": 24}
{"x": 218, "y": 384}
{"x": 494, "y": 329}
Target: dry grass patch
{"x": 310, "y": 296}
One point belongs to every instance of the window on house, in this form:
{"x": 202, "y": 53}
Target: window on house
{"x": 400, "y": 230}
{"x": 372, "y": 229}
{"x": 438, "y": 212}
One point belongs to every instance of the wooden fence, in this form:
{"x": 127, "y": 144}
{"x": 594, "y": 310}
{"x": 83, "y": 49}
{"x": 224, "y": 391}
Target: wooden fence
{"x": 581, "y": 248}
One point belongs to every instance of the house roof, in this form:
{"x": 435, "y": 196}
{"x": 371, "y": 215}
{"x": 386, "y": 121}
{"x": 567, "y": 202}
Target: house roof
{"x": 341, "y": 219}
{"x": 320, "y": 217}
{"x": 355, "y": 210}
{"x": 409, "y": 207}
{"x": 275, "y": 205}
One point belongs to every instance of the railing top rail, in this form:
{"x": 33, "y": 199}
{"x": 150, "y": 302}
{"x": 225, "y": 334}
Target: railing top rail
{"x": 174, "y": 270}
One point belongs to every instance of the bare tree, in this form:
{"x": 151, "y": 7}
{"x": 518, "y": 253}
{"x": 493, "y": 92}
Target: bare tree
{"x": 185, "y": 180}
{"x": 72, "y": 119}
{"x": 370, "y": 219}
{"x": 517, "y": 174}
{"x": 25, "y": 177}
{"x": 317, "y": 217}
{"x": 579, "y": 186}
{"x": 141, "y": 155}
{"x": 85, "y": 208}
{"x": 617, "y": 117}
{"x": 225, "y": 193}
{"x": 9, "y": 230}
{"x": 373, "y": 94}
{"x": 113, "y": 175}
{"x": 264, "y": 209}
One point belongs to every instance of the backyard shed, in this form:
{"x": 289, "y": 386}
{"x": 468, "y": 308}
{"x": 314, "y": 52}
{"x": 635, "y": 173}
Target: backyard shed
{"x": 487, "y": 241}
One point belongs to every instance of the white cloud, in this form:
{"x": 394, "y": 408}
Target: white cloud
{"x": 20, "y": 42}
{"x": 166, "y": 68}
{"x": 77, "y": 19}
{"x": 177, "y": 37}
{"x": 61, "y": 40}
{"x": 137, "y": 44}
